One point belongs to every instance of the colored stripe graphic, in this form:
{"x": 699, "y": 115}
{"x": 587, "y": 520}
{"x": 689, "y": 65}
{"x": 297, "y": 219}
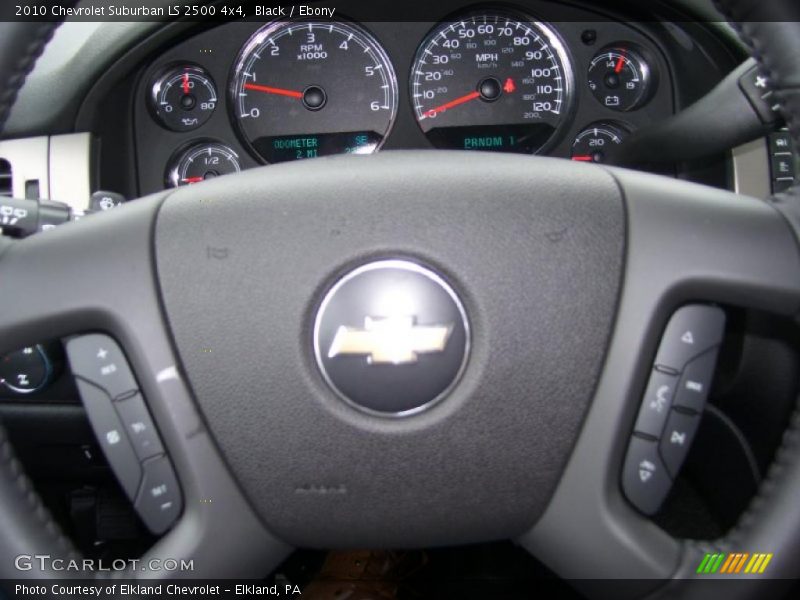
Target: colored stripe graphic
{"x": 734, "y": 563}
{"x": 764, "y": 564}
{"x": 703, "y": 563}
{"x": 740, "y": 564}
{"x": 728, "y": 564}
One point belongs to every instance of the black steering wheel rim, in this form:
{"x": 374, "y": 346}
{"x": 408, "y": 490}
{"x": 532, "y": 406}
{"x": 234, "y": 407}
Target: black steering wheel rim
{"x": 773, "y": 519}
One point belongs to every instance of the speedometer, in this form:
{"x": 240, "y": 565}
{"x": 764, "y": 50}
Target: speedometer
{"x": 492, "y": 81}
{"x": 305, "y": 88}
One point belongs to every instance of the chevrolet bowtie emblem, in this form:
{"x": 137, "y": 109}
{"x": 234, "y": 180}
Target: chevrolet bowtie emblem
{"x": 393, "y": 340}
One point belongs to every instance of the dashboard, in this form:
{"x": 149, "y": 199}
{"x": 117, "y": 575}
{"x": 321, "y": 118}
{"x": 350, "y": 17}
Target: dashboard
{"x": 533, "y": 77}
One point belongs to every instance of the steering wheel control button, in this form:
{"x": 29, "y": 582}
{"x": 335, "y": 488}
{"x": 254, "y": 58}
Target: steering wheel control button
{"x": 159, "y": 500}
{"x": 677, "y": 439}
{"x": 644, "y": 477}
{"x": 656, "y": 404}
{"x": 111, "y": 436}
{"x": 101, "y": 200}
{"x": 756, "y": 88}
{"x": 98, "y": 358}
{"x": 141, "y": 430}
{"x": 692, "y": 330}
{"x": 25, "y": 371}
{"x": 783, "y": 159}
{"x": 695, "y": 382}
{"x": 391, "y": 337}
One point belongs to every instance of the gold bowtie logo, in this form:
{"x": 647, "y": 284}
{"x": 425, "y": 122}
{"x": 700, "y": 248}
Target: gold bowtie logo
{"x": 394, "y": 340}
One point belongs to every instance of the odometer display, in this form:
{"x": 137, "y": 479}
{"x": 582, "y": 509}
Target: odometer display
{"x": 491, "y": 81}
{"x": 305, "y": 89}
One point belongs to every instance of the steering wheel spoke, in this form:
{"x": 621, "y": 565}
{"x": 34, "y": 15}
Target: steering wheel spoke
{"x": 686, "y": 244}
{"x": 100, "y": 277}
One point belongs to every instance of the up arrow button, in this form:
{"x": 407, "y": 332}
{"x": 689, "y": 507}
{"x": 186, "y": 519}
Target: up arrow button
{"x": 691, "y": 331}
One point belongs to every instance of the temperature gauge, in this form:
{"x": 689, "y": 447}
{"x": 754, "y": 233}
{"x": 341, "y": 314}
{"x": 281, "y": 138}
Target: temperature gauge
{"x": 620, "y": 78}
{"x": 593, "y": 143}
{"x": 183, "y": 98}
{"x": 202, "y": 161}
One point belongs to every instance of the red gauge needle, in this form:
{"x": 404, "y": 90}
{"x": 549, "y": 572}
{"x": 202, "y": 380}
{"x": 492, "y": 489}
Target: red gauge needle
{"x": 192, "y": 180}
{"x": 620, "y": 63}
{"x": 273, "y": 90}
{"x": 185, "y": 83}
{"x": 583, "y": 158}
{"x": 452, "y": 103}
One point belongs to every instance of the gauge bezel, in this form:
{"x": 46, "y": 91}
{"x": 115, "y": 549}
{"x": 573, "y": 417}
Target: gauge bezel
{"x": 172, "y": 170}
{"x": 622, "y": 128}
{"x": 543, "y": 28}
{"x": 637, "y": 56}
{"x": 154, "y": 92}
{"x": 266, "y": 31}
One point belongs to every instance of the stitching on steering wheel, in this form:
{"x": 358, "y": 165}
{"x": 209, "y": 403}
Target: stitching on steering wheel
{"x": 10, "y": 88}
{"x": 789, "y": 449}
{"x": 13, "y": 468}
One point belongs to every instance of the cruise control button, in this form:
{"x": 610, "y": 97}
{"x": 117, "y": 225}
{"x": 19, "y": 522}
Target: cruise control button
{"x": 656, "y": 403}
{"x": 782, "y": 166}
{"x": 678, "y": 436}
{"x": 644, "y": 478}
{"x": 141, "y": 430}
{"x": 159, "y": 500}
{"x": 691, "y": 331}
{"x": 99, "y": 359}
{"x": 695, "y": 382}
{"x": 111, "y": 436}
{"x": 780, "y": 141}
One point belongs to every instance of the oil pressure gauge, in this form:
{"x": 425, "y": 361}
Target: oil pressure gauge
{"x": 621, "y": 78}
{"x": 201, "y": 161}
{"x": 183, "y": 97}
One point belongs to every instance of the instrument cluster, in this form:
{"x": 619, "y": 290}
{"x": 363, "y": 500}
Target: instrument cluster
{"x": 492, "y": 79}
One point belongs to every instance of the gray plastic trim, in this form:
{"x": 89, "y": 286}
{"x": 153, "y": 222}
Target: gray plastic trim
{"x": 751, "y": 169}
{"x": 71, "y": 169}
{"x": 686, "y": 243}
{"x": 61, "y": 163}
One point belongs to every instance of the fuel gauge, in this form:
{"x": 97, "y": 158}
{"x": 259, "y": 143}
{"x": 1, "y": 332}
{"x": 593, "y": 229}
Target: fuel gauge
{"x": 620, "y": 78}
{"x": 202, "y": 161}
{"x": 183, "y": 97}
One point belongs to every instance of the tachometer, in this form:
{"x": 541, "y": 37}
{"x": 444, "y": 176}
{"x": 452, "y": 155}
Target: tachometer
{"x": 304, "y": 89}
{"x": 492, "y": 81}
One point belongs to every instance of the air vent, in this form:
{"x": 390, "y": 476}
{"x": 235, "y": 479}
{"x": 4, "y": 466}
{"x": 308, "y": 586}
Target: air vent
{"x": 5, "y": 178}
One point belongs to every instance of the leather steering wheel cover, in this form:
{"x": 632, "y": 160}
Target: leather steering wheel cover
{"x": 28, "y": 527}
{"x": 21, "y": 44}
{"x": 771, "y": 523}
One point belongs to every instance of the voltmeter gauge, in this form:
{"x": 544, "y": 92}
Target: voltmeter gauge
{"x": 202, "y": 161}
{"x": 593, "y": 143}
{"x": 620, "y": 78}
{"x": 183, "y": 97}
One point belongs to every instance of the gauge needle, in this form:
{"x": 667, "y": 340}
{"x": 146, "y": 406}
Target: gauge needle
{"x": 273, "y": 90}
{"x": 620, "y": 63}
{"x": 185, "y": 83}
{"x": 583, "y": 157}
{"x": 451, "y": 104}
{"x": 192, "y": 179}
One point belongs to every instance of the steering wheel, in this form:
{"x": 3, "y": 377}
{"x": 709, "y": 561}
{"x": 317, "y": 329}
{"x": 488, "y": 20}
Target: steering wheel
{"x": 564, "y": 274}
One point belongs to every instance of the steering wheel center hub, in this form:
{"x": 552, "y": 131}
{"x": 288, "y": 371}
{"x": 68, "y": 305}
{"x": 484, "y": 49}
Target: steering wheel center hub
{"x": 391, "y": 337}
